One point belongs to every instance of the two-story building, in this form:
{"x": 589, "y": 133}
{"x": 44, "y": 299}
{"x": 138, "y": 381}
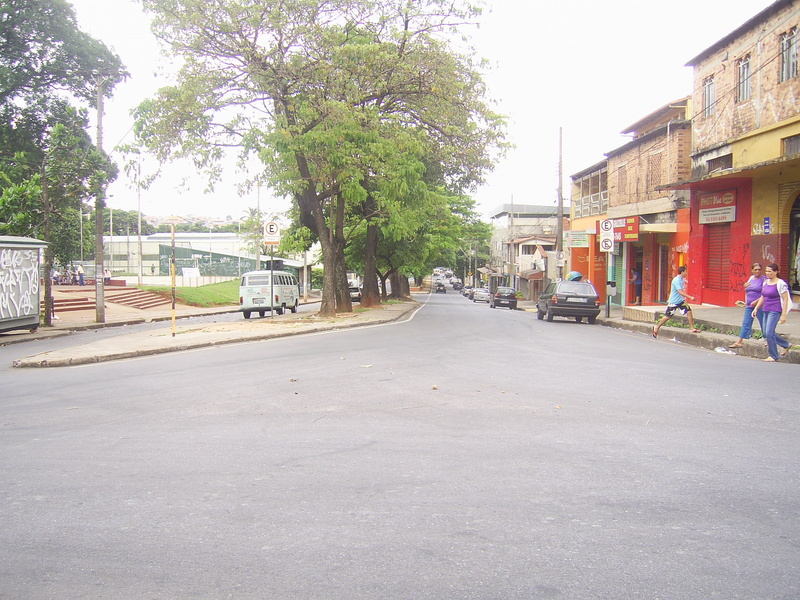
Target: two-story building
{"x": 651, "y": 226}
{"x": 745, "y": 180}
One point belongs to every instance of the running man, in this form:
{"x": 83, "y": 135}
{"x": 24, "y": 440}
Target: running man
{"x": 677, "y": 301}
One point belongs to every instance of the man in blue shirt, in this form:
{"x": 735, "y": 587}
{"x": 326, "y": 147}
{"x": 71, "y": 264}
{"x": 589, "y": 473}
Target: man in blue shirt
{"x": 636, "y": 282}
{"x": 677, "y": 301}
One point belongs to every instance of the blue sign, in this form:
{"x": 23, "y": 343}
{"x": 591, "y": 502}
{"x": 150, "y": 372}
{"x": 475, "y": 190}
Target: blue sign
{"x": 767, "y": 226}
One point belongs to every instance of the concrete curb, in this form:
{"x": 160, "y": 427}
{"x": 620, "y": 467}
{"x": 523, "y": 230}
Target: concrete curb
{"x": 705, "y": 339}
{"x": 208, "y": 336}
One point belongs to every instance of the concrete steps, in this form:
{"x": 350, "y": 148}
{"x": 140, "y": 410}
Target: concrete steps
{"x": 70, "y": 300}
{"x": 135, "y": 298}
{"x": 69, "y": 304}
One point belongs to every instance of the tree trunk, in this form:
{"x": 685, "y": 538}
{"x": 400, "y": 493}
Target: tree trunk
{"x": 343, "y": 302}
{"x": 370, "y": 295}
{"x": 405, "y": 290}
{"x": 48, "y": 252}
{"x": 397, "y": 285}
{"x": 384, "y": 278}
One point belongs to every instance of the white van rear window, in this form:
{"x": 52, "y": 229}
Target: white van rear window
{"x": 258, "y": 280}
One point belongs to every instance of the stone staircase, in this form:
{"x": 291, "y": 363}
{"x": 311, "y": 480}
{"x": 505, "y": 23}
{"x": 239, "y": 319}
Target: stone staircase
{"x": 132, "y": 297}
{"x": 135, "y": 298}
{"x": 70, "y": 303}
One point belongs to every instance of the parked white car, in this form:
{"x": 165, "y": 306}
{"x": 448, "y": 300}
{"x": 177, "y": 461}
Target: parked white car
{"x": 481, "y": 295}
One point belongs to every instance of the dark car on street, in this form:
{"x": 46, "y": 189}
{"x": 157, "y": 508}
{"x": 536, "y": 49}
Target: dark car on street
{"x": 439, "y": 287}
{"x": 575, "y": 299}
{"x": 504, "y": 296}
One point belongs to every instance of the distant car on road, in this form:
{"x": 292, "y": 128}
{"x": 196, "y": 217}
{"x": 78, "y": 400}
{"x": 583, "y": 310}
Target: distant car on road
{"x": 504, "y": 296}
{"x": 481, "y": 295}
{"x": 355, "y": 293}
{"x": 576, "y": 299}
{"x": 438, "y": 287}
{"x": 467, "y": 291}
{"x": 457, "y": 285}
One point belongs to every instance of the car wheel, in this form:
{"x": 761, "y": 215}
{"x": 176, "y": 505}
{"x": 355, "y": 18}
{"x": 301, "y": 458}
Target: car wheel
{"x": 539, "y": 313}
{"x": 279, "y": 310}
{"x": 246, "y": 314}
{"x": 592, "y": 320}
{"x": 491, "y": 305}
{"x": 549, "y": 314}
{"x": 512, "y": 306}
{"x": 262, "y": 313}
{"x": 579, "y": 319}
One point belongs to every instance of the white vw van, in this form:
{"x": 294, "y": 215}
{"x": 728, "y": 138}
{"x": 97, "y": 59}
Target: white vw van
{"x": 258, "y": 287}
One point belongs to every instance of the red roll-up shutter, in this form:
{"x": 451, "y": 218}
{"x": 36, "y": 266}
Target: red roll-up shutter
{"x": 719, "y": 257}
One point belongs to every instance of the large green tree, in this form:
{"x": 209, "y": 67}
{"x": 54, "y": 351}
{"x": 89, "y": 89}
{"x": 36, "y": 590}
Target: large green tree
{"x": 48, "y": 165}
{"x": 305, "y": 83}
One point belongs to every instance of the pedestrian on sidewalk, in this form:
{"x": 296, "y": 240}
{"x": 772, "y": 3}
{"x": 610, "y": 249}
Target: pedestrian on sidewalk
{"x": 752, "y": 292}
{"x": 81, "y": 275}
{"x": 776, "y": 302}
{"x": 677, "y": 301}
{"x": 636, "y": 282}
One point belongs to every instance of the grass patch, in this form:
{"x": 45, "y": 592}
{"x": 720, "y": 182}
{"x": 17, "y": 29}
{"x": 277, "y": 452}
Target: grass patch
{"x": 215, "y": 294}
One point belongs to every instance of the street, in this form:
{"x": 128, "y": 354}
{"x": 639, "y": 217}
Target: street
{"x": 464, "y": 453}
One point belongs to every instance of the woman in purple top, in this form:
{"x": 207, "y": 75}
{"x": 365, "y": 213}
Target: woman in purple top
{"x": 776, "y": 302}
{"x": 752, "y": 290}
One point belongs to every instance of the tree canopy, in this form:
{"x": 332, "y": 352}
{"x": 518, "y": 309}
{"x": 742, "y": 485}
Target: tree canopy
{"x": 360, "y": 110}
{"x": 46, "y": 65}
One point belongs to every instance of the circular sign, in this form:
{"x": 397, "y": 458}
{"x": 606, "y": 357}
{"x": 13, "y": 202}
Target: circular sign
{"x": 606, "y": 225}
{"x": 272, "y": 228}
{"x": 606, "y": 245}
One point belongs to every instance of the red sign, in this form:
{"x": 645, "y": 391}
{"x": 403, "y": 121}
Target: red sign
{"x": 625, "y": 230}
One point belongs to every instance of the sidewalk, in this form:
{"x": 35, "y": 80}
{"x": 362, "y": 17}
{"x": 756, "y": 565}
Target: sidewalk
{"x": 187, "y": 335}
{"x": 719, "y": 326}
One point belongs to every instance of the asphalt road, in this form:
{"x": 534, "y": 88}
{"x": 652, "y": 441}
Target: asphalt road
{"x": 467, "y": 453}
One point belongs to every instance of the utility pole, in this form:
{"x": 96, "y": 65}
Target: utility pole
{"x": 139, "y": 211}
{"x": 511, "y": 249}
{"x": 98, "y": 214}
{"x": 560, "y": 213}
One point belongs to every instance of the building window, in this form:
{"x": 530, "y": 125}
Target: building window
{"x": 791, "y": 145}
{"x": 720, "y": 163}
{"x": 743, "y": 88}
{"x": 622, "y": 183}
{"x": 653, "y": 170}
{"x": 789, "y": 54}
{"x": 709, "y": 96}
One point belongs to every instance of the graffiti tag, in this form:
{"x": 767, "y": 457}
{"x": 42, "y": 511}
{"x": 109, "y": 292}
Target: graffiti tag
{"x": 19, "y": 283}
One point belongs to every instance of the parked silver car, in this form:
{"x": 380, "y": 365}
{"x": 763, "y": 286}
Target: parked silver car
{"x": 481, "y": 295}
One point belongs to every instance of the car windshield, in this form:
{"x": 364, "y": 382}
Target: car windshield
{"x": 505, "y": 290}
{"x": 577, "y": 287}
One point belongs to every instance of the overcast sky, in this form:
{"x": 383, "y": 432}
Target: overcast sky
{"x": 591, "y": 68}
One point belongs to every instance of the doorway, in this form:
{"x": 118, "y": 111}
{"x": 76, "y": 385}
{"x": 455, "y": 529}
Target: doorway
{"x": 794, "y": 246}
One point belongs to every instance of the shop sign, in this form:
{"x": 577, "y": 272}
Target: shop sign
{"x": 577, "y": 239}
{"x": 719, "y": 207}
{"x": 625, "y": 230}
